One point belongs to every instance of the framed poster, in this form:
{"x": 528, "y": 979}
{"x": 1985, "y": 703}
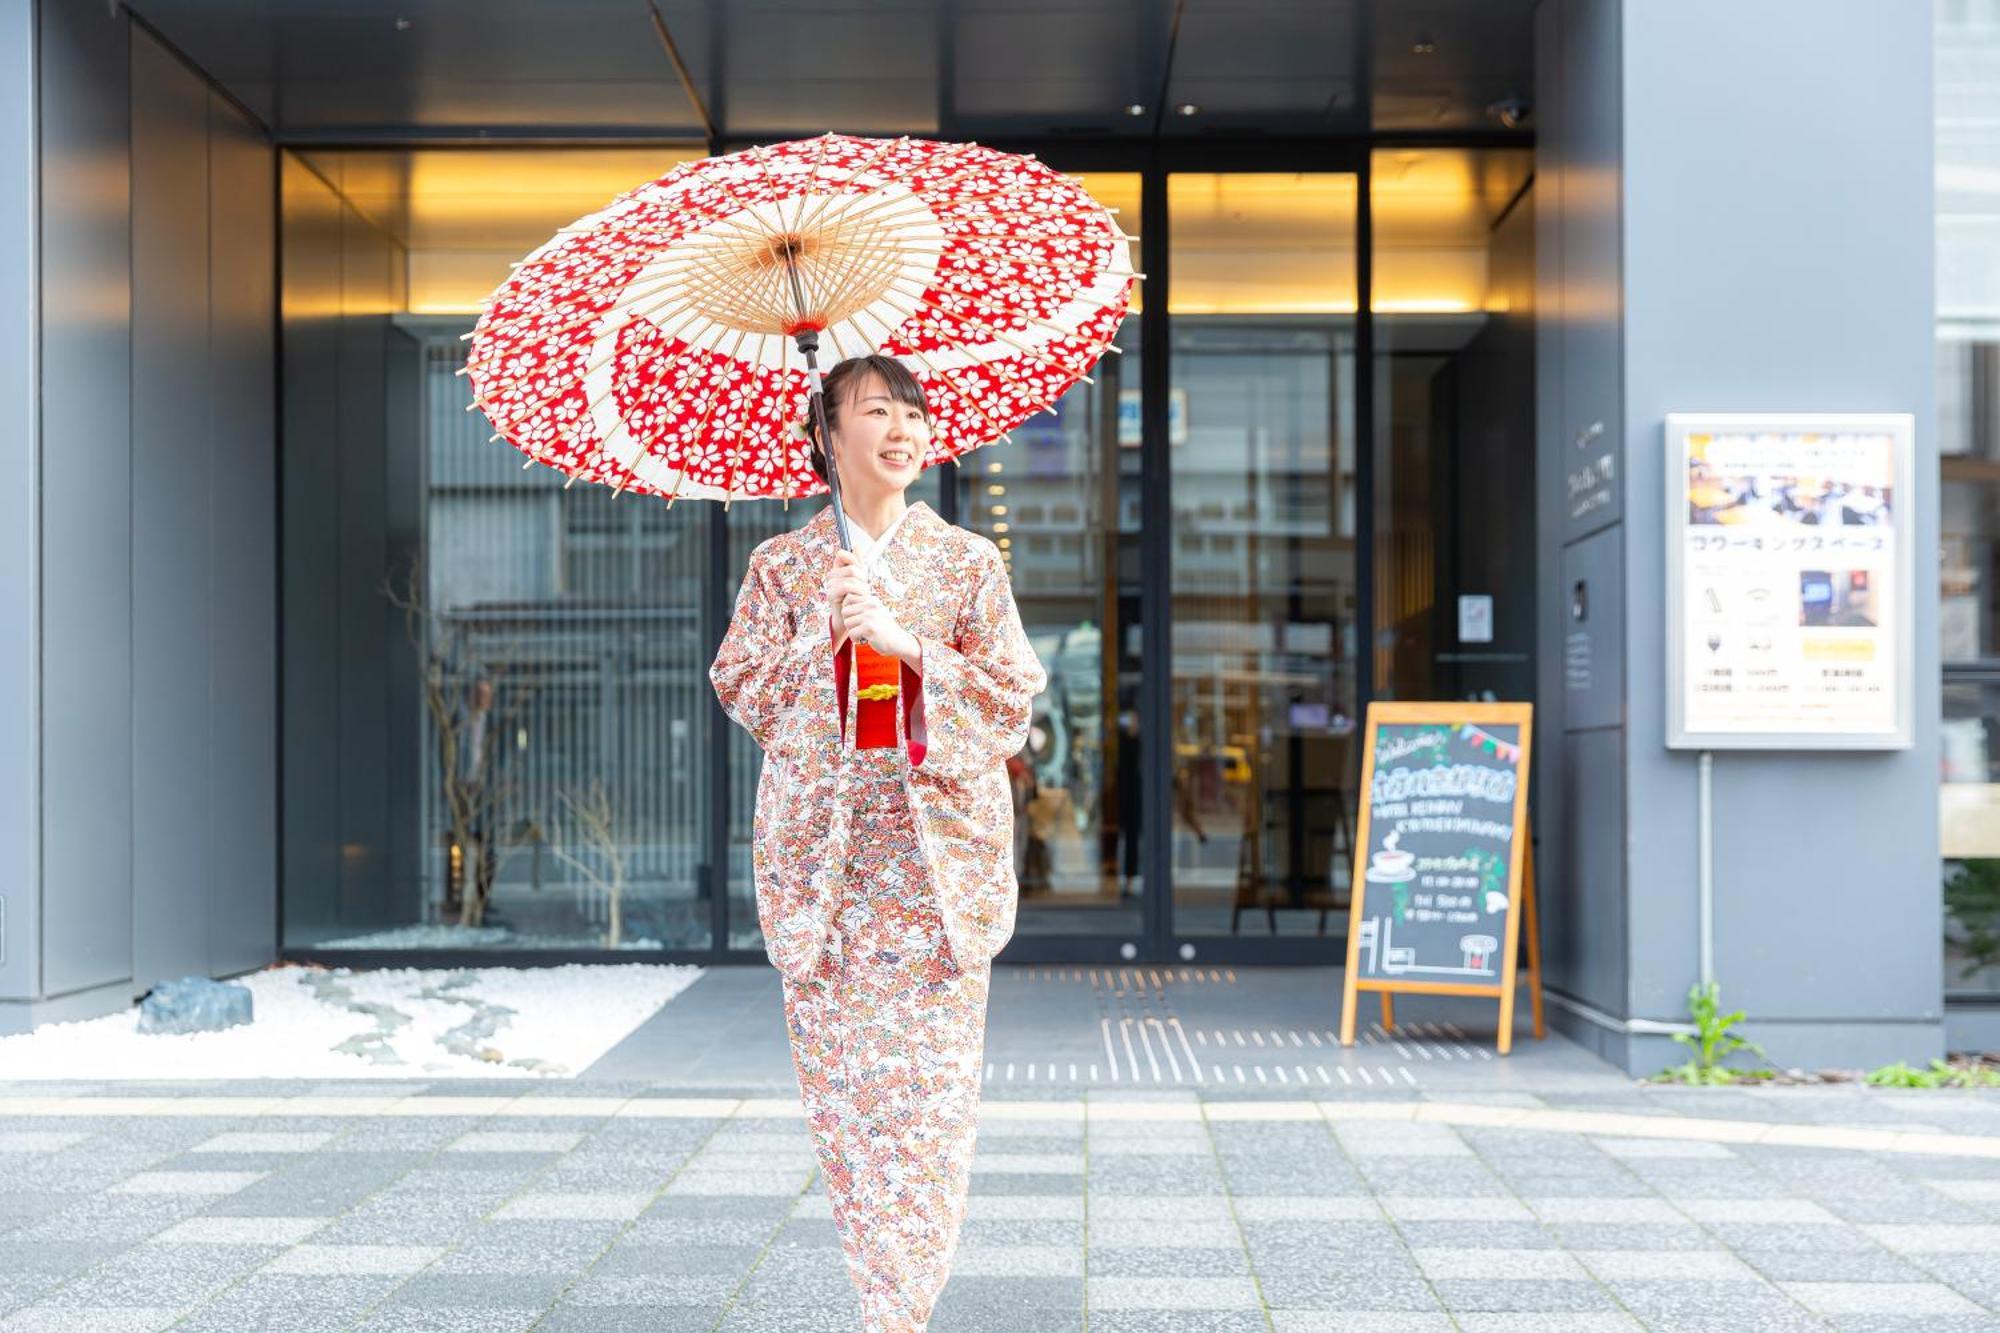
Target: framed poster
{"x": 1446, "y": 894}
{"x": 1789, "y": 581}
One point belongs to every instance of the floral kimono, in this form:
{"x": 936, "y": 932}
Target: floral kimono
{"x": 885, "y": 876}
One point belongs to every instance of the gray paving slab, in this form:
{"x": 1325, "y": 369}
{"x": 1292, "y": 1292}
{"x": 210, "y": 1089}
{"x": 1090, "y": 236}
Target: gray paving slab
{"x": 535, "y": 1219}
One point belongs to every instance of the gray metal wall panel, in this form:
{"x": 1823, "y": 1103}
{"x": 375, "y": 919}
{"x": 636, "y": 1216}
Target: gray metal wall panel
{"x": 1551, "y": 816}
{"x": 20, "y": 877}
{"x": 1590, "y": 265}
{"x": 1734, "y": 304}
{"x": 171, "y": 472}
{"x": 350, "y": 482}
{"x": 1585, "y": 922}
{"x": 404, "y": 496}
{"x": 242, "y": 547}
{"x": 309, "y": 472}
{"x": 1593, "y": 618}
{"x": 363, "y": 614}
{"x": 86, "y": 557}
{"x": 1577, "y": 373}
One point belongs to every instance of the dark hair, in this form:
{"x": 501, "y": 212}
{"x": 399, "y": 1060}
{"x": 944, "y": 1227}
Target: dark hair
{"x": 895, "y": 376}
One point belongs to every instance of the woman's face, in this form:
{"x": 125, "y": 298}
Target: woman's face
{"x": 879, "y": 443}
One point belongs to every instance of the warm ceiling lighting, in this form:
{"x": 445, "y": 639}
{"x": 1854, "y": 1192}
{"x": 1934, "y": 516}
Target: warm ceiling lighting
{"x": 465, "y": 215}
{"x": 996, "y": 490}
{"x": 1423, "y": 305}
{"x": 999, "y": 527}
{"x": 994, "y": 467}
{"x": 998, "y": 510}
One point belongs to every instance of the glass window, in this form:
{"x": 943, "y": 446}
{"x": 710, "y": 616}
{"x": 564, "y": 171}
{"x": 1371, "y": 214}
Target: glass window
{"x": 568, "y": 713}
{"x": 1968, "y": 406}
{"x": 1062, "y": 503}
{"x": 521, "y": 760}
{"x": 1454, "y": 244}
{"x": 749, "y": 525}
{"x": 1261, "y": 443}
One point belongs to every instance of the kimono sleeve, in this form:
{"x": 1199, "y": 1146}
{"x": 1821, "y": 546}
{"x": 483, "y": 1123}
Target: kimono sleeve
{"x": 769, "y": 668}
{"x": 970, "y": 702}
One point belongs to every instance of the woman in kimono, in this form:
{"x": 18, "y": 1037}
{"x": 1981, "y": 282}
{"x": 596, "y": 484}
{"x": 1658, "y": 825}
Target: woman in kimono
{"x": 887, "y": 687}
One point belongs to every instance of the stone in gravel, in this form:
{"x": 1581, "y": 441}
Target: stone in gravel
{"x": 194, "y": 1004}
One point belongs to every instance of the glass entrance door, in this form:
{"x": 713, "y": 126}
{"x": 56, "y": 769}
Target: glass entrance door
{"x": 1263, "y": 578}
{"x": 1061, "y": 502}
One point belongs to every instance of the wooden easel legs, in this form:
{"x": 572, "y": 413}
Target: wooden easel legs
{"x": 1531, "y": 922}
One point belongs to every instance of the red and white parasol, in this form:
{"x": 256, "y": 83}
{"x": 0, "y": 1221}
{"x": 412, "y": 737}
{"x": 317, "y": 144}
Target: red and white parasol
{"x": 661, "y": 345}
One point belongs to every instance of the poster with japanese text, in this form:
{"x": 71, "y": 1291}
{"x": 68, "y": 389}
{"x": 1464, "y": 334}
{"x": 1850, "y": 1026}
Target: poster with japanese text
{"x": 1788, "y": 578}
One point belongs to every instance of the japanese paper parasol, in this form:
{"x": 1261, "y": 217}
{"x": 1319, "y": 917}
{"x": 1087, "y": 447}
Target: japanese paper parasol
{"x": 668, "y": 344}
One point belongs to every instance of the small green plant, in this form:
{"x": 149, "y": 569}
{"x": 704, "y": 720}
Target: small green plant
{"x": 1939, "y": 1074}
{"x": 1902, "y": 1075}
{"x": 1711, "y": 1041}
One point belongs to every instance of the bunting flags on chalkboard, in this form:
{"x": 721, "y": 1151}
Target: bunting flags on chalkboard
{"x": 1487, "y": 743}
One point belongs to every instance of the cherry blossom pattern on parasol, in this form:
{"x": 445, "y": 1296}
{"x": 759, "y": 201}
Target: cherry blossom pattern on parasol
{"x": 650, "y": 346}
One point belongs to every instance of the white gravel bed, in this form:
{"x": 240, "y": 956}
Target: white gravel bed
{"x": 564, "y": 1018}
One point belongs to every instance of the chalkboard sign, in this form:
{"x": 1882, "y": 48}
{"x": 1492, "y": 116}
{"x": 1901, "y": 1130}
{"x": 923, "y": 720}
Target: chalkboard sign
{"x": 1444, "y": 869}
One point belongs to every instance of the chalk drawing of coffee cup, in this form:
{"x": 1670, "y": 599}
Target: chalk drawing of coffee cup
{"x": 1478, "y": 949}
{"x": 1391, "y": 865}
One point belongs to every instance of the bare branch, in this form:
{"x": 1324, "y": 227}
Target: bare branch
{"x": 587, "y": 842}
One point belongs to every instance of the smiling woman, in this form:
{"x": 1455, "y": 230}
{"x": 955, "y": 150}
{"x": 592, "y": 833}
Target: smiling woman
{"x": 877, "y": 407}
{"x": 884, "y": 864}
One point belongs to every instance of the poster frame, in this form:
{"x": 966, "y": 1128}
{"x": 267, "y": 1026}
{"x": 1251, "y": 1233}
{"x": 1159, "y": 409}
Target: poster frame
{"x": 1520, "y": 875}
{"x": 1901, "y": 428}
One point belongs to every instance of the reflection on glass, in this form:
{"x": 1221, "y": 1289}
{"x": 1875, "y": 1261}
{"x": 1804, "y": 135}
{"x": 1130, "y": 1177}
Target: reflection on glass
{"x": 566, "y": 710}
{"x": 1260, "y": 437}
{"x": 1454, "y": 435}
{"x": 1969, "y": 808}
{"x": 1969, "y": 635}
{"x": 1062, "y": 503}
{"x": 1969, "y": 442}
{"x": 1968, "y": 427}
{"x": 750, "y": 525}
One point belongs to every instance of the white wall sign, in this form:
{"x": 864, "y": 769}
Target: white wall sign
{"x": 1475, "y": 618}
{"x": 1789, "y": 581}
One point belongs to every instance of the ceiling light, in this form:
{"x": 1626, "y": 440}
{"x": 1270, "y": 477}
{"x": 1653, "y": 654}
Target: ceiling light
{"x": 996, "y": 490}
{"x": 994, "y": 467}
{"x": 1135, "y": 110}
{"x": 1186, "y": 109}
{"x": 1424, "y": 45}
{"x": 999, "y": 510}
{"x": 999, "y": 527}
{"x": 402, "y": 24}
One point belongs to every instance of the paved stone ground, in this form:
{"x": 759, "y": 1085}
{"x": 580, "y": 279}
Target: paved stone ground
{"x": 616, "y": 1206}
{"x": 1100, "y": 1029}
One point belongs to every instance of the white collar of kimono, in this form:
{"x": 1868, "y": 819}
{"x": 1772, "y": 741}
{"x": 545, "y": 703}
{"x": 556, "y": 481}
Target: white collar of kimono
{"x": 870, "y": 548}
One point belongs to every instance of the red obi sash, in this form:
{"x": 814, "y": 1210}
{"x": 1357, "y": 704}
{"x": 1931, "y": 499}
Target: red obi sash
{"x": 884, "y": 685}
{"x": 878, "y": 688}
